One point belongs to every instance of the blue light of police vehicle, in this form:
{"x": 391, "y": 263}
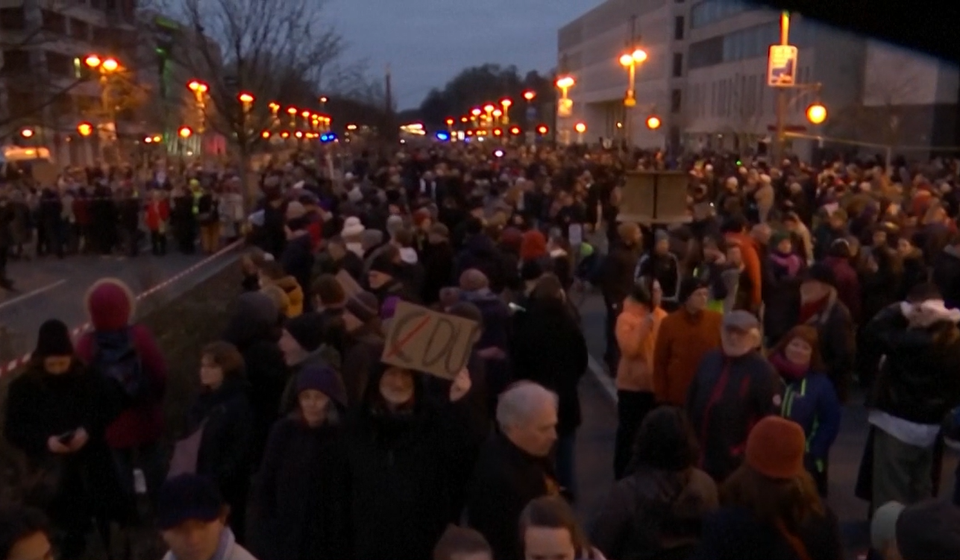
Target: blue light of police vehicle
{"x": 443, "y": 136}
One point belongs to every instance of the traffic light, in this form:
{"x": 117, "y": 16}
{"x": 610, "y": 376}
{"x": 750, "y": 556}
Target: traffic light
{"x": 653, "y": 122}
{"x": 816, "y": 113}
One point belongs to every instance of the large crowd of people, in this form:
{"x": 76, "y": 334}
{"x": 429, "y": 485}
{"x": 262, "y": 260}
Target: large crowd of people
{"x": 735, "y": 339}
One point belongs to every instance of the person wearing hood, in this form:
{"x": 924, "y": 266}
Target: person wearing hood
{"x": 56, "y": 414}
{"x": 809, "y": 398}
{"x": 302, "y": 344}
{"x": 297, "y": 256}
{"x": 733, "y": 388}
{"x": 302, "y": 495}
{"x": 663, "y": 493}
{"x": 272, "y": 273}
{"x": 254, "y": 329}
{"x": 399, "y": 445}
{"x": 684, "y": 338}
{"x": 637, "y": 328}
{"x": 222, "y": 414}
{"x": 118, "y": 345}
{"x": 437, "y": 257}
{"x": 352, "y": 233}
{"x": 916, "y": 387}
{"x": 821, "y": 308}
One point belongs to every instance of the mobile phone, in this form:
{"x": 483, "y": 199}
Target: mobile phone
{"x": 66, "y": 437}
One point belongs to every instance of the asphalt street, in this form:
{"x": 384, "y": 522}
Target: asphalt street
{"x": 51, "y": 288}
{"x": 596, "y": 436}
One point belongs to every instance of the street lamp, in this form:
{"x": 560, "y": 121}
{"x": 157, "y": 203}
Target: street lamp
{"x": 199, "y": 90}
{"x": 506, "y": 103}
{"x": 265, "y": 134}
{"x": 27, "y": 133}
{"x": 816, "y": 113}
{"x": 653, "y": 122}
{"x": 198, "y": 87}
{"x": 246, "y": 98}
{"x": 529, "y": 95}
{"x": 85, "y": 129}
{"x": 274, "y": 107}
{"x": 92, "y": 61}
{"x": 630, "y": 61}
{"x": 581, "y": 128}
{"x": 185, "y": 132}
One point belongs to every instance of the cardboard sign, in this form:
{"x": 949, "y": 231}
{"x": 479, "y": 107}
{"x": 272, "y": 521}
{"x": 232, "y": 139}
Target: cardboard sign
{"x": 423, "y": 340}
{"x": 349, "y": 285}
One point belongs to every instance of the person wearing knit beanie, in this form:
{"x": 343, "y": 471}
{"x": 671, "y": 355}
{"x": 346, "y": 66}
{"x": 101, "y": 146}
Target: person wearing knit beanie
{"x": 53, "y": 341}
{"x": 323, "y": 379}
{"x": 776, "y": 447}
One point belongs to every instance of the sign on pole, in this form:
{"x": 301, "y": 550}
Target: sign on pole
{"x": 782, "y": 66}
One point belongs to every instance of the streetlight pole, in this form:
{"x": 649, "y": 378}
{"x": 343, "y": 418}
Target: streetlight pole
{"x": 781, "y": 113}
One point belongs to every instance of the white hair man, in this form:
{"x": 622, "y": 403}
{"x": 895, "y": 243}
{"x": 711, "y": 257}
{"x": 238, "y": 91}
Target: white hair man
{"x": 515, "y": 466}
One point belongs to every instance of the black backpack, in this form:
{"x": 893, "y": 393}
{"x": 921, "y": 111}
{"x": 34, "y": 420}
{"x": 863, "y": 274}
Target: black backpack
{"x": 116, "y": 358}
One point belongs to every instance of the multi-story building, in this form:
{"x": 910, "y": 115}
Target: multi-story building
{"x": 45, "y": 87}
{"x": 706, "y": 77}
{"x": 589, "y": 49}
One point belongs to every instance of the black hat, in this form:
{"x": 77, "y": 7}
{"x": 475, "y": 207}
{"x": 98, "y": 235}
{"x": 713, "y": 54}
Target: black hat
{"x": 531, "y": 270}
{"x": 53, "y": 340}
{"x": 688, "y": 286}
{"x": 384, "y": 264}
{"x": 323, "y": 379}
{"x": 307, "y": 330}
{"x": 187, "y": 497}
{"x": 821, "y": 272}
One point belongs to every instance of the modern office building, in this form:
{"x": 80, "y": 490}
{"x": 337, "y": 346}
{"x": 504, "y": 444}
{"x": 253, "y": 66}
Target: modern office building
{"x": 706, "y": 77}
{"x": 42, "y": 84}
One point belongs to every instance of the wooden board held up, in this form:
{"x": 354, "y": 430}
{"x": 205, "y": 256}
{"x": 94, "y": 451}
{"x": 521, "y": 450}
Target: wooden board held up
{"x": 423, "y": 340}
{"x": 349, "y": 285}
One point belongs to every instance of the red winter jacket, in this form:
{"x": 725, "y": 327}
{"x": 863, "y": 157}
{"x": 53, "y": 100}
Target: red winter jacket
{"x": 110, "y": 305}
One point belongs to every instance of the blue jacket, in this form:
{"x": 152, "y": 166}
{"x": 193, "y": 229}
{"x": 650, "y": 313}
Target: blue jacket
{"x": 812, "y": 402}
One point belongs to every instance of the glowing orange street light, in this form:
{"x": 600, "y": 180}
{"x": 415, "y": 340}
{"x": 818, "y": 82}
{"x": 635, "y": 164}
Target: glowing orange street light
{"x": 497, "y": 113}
{"x": 284, "y": 135}
{"x": 498, "y": 132}
{"x": 488, "y": 108}
{"x": 85, "y": 129}
{"x": 449, "y": 121}
{"x": 110, "y": 65}
{"x": 305, "y": 114}
{"x": 292, "y": 111}
{"x": 27, "y": 133}
{"x": 506, "y": 103}
{"x": 185, "y": 132}
{"x": 580, "y": 127}
{"x": 265, "y": 134}
{"x": 198, "y": 87}
{"x": 274, "y": 107}
{"x": 816, "y": 113}
{"x": 464, "y": 119}
{"x": 529, "y": 95}
{"x": 542, "y": 129}
{"x": 515, "y": 131}
{"x": 653, "y": 122}
{"x": 245, "y": 98}
{"x": 299, "y": 134}
{"x": 566, "y": 82}
{"x": 93, "y": 61}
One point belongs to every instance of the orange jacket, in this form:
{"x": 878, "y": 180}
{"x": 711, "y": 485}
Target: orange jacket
{"x": 682, "y": 341}
{"x": 751, "y": 262}
{"x": 636, "y": 332}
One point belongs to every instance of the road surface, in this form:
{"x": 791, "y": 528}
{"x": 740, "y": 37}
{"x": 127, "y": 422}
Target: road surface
{"x": 596, "y": 437}
{"x": 50, "y": 288}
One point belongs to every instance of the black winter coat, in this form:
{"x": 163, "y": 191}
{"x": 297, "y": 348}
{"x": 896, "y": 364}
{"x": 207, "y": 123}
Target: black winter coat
{"x": 548, "y": 348}
{"x": 303, "y": 494}
{"x": 734, "y": 533}
{"x": 224, "y": 453}
{"x": 77, "y": 485}
{"x": 400, "y": 473}
{"x": 920, "y": 378}
{"x": 437, "y": 261}
{"x": 504, "y": 481}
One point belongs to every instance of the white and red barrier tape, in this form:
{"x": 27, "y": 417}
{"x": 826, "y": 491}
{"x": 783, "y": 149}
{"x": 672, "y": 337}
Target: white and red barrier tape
{"x": 12, "y": 365}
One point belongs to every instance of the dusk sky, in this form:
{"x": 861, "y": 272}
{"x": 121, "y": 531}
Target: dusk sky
{"x": 427, "y": 42}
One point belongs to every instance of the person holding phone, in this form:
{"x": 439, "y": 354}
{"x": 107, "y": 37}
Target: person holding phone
{"x": 57, "y": 412}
